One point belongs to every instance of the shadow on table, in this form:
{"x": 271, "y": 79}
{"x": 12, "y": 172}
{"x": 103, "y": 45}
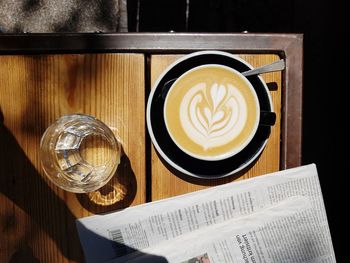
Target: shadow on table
{"x": 24, "y": 254}
{"x": 245, "y": 161}
{"x": 118, "y": 193}
{"x": 22, "y": 184}
{"x": 204, "y": 181}
{"x": 101, "y": 249}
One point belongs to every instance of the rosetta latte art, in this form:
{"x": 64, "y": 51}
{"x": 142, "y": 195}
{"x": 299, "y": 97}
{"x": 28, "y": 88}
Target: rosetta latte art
{"x": 214, "y": 115}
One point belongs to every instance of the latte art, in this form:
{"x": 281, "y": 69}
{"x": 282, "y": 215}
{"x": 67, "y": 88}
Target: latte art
{"x": 213, "y": 116}
{"x": 211, "y": 112}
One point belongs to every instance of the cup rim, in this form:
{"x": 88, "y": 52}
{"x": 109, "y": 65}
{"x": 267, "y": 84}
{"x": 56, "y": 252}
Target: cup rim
{"x": 235, "y": 150}
{"x": 149, "y": 123}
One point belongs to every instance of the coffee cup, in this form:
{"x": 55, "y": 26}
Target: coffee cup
{"x": 211, "y": 112}
{"x": 212, "y": 104}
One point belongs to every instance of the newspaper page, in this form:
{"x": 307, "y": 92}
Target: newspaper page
{"x": 105, "y": 237}
{"x": 286, "y": 232}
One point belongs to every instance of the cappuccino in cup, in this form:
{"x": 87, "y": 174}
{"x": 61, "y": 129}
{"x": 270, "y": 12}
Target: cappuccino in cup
{"x": 211, "y": 112}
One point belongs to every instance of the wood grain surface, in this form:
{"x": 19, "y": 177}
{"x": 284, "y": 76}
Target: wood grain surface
{"x": 166, "y": 184}
{"x": 37, "y": 219}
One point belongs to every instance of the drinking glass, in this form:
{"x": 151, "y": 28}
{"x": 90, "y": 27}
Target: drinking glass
{"x": 79, "y": 153}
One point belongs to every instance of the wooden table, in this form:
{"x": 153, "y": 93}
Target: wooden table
{"x": 44, "y": 76}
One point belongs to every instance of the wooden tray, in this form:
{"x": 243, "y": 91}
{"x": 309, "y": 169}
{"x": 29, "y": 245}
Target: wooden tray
{"x": 44, "y": 76}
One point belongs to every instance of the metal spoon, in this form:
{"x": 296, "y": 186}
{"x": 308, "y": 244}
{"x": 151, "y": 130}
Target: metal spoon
{"x": 275, "y": 66}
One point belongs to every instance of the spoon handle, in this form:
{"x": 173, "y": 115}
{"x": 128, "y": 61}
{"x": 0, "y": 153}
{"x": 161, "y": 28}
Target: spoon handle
{"x": 275, "y": 66}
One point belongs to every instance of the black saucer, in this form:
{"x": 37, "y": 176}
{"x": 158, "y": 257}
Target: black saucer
{"x": 161, "y": 139}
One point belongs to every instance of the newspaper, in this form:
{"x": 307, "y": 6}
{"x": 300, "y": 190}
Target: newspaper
{"x": 106, "y": 237}
{"x": 280, "y": 233}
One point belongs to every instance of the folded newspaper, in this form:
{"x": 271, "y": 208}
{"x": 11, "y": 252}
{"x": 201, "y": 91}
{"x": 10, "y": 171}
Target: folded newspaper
{"x": 277, "y": 217}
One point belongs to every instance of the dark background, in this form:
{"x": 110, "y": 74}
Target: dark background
{"x": 323, "y": 24}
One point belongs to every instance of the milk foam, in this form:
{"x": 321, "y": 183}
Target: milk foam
{"x": 213, "y": 116}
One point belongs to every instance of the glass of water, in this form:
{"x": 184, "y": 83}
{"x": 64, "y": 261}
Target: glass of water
{"x": 79, "y": 153}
